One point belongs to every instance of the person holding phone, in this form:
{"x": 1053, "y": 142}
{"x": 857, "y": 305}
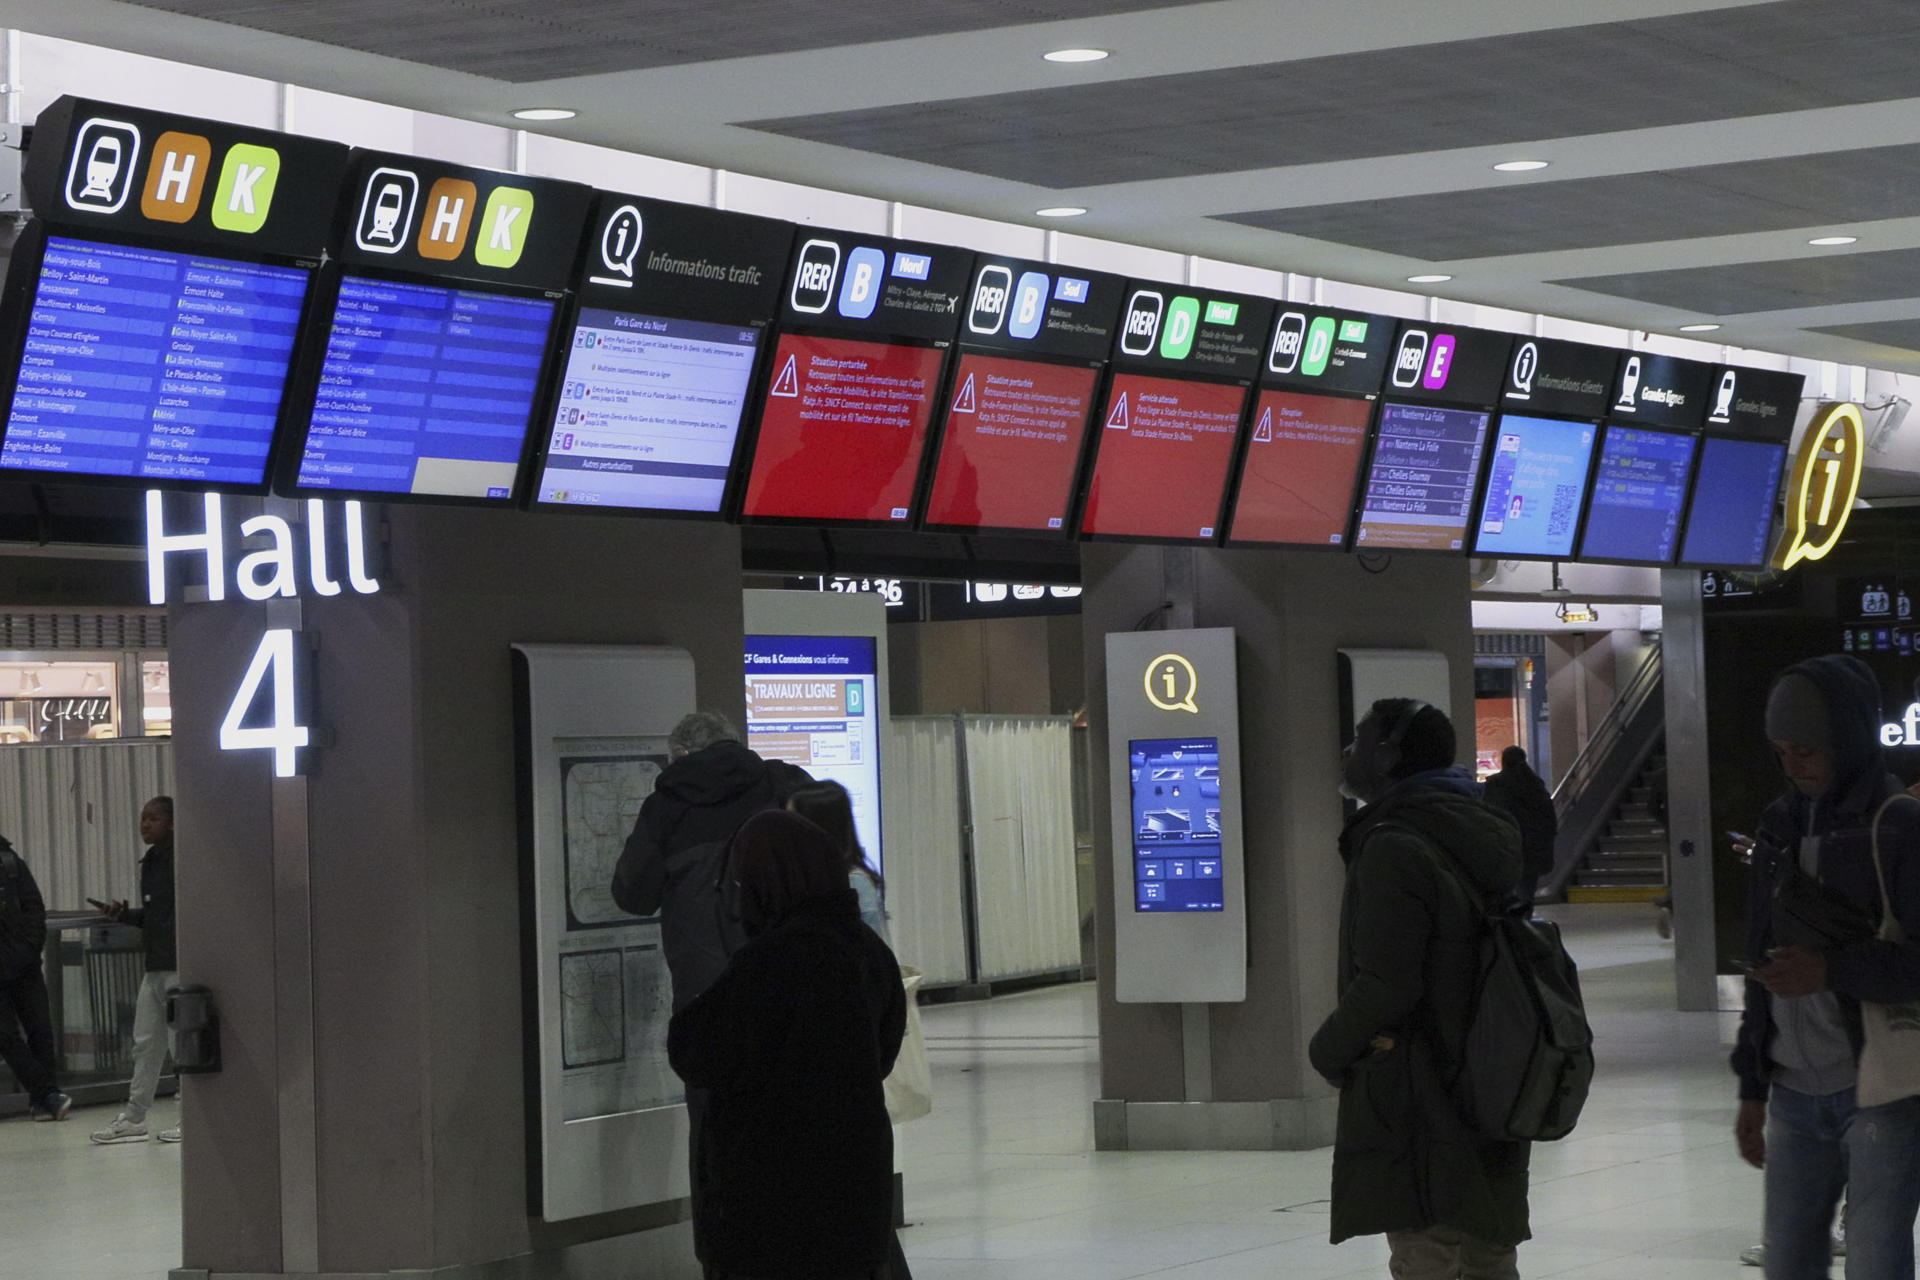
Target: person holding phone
{"x": 154, "y": 917}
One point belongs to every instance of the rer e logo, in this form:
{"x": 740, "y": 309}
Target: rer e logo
{"x": 1439, "y": 362}
{"x": 1143, "y": 322}
{"x": 1171, "y": 683}
{"x": 100, "y": 173}
{"x": 1183, "y": 324}
{"x": 813, "y": 276}
{"x": 989, "y": 310}
{"x": 860, "y": 286}
{"x": 1826, "y": 479}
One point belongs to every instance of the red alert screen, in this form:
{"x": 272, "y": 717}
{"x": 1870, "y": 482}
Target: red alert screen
{"x": 1165, "y": 446}
{"x": 1012, "y": 441}
{"x": 1302, "y": 462}
{"x": 842, "y": 429}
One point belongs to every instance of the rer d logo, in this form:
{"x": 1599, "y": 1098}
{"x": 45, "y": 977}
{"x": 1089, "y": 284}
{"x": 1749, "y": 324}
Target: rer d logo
{"x": 1183, "y": 323}
{"x": 1826, "y": 479}
{"x": 813, "y": 276}
{"x": 1171, "y": 683}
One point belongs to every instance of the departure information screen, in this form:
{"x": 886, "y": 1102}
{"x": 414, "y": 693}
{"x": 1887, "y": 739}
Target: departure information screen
{"x": 843, "y": 429}
{"x": 1165, "y": 447}
{"x": 1176, "y": 824}
{"x": 1302, "y": 462}
{"x": 1639, "y": 488}
{"x": 648, "y": 413}
{"x": 1013, "y": 434}
{"x": 426, "y": 389}
{"x": 1731, "y": 520}
{"x": 146, "y": 363}
{"x": 1534, "y": 487}
{"x": 1420, "y": 486}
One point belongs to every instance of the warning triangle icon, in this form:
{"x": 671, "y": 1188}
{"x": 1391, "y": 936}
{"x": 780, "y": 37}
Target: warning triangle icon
{"x": 963, "y": 403}
{"x": 1264, "y": 432}
{"x": 1117, "y": 419}
{"x": 788, "y": 383}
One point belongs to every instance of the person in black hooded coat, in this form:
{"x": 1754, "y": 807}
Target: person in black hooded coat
{"x": 793, "y": 1166}
{"x": 1450, "y": 1203}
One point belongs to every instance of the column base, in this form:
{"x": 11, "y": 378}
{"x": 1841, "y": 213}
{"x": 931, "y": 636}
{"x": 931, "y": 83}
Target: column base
{"x": 666, "y": 1253}
{"x": 1278, "y": 1124}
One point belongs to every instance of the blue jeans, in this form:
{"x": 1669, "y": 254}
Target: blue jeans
{"x": 1816, "y": 1146}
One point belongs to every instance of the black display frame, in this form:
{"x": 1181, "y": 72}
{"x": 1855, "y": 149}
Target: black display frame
{"x": 1238, "y": 474}
{"x": 1693, "y": 494}
{"x": 1089, "y": 463}
{"x": 16, "y": 305}
{"x": 1486, "y": 479}
{"x": 1607, "y": 425}
{"x": 313, "y": 345}
{"x": 1366, "y": 469}
{"x": 749, "y": 444}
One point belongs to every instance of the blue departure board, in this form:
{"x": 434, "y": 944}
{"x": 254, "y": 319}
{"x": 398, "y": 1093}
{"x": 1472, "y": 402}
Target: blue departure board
{"x": 1534, "y": 487}
{"x": 1419, "y": 493}
{"x": 1176, "y": 824}
{"x": 1639, "y": 488}
{"x": 1731, "y": 520}
{"x": 426, "y": 389}
{"x": 151, "y": 364}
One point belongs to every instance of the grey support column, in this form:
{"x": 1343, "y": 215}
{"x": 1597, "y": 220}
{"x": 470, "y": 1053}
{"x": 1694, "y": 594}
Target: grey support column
{"x": 1689, "y": 794}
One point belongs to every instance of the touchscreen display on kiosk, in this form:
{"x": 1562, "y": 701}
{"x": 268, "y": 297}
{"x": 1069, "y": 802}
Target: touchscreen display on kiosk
{"x": 153, "y": 310}
{"x": 1420, "y": 483}
{"x": 1639, "y": 491}
{"x": 865, "y": 328}
{"x": 436, "y": 330}
{"x": 1535, "y": 484}
{"x": 1730, "y": 520}
{"x": 661, "y": 352}
{"x": 1176, "y": 824}
{"x": 1302, "y": 464}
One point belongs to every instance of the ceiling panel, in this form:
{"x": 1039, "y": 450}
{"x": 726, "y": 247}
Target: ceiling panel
{"x": 1742, "y": 287}
{"x": 1635, "y": 208}
{"x": 1904, "y": 334}
{"x": 560, "y": 39}
{"x": 1716, "y": 64}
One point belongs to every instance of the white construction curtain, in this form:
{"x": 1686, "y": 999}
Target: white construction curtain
{"x": 72, "y": 810}
{"x": 920, "y": 818}
{"x": 1020, "y": 776}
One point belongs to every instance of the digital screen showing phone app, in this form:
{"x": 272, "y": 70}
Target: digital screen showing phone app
{"x": 1176, "y": 824}
{"x": 1534, "y": 487}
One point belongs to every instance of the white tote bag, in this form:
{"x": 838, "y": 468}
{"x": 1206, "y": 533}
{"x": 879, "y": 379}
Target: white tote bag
{"x": 1890, "y": 1059}
{"x": 910, "y": 1087}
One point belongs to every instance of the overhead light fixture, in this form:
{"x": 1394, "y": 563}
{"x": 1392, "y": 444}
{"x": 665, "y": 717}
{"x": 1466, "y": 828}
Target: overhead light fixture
{"x": 545, "y": 113}
{"x": 1520, "y": 166}
{"x": 1828, "y": 241}
{"x": 1698, "y": 328}
{"x": 1431, "y": 278}
{"x": 1077, "y": 55}
{"x": 1059, "y": 211}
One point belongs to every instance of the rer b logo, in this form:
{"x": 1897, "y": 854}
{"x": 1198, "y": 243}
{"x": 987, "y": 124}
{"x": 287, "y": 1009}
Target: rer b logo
{"x": 813, "y": 276}
{"x": 1029, "y": 306}
{"x": 1143, "y": 322}
{"x": 860, "y": 288}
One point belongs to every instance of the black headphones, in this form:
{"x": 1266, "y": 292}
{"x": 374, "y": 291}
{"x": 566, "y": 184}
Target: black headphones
{"x": 1399, "y": 731}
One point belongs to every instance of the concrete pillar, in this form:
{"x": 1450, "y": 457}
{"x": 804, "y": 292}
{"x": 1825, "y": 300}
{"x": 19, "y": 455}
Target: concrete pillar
{"x": 361, "y": 928}
{"x": 1293, "y": 611}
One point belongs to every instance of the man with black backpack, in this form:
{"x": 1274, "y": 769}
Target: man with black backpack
{"x": 1427, "y": 862}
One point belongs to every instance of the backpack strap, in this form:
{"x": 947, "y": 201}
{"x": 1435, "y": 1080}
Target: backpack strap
{"x": 1475, "y": 901}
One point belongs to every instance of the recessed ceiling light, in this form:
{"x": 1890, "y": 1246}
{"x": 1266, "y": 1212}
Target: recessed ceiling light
{"x": 544, "y": 113}
{"x": 1520, "y": 166}
{"x": 1826, "y": 241}
{"x": 1428, "y": 279}
{"x": 1059, "y": 211}
{"x": 1698, "y": 328}
{"x": 1077, "y": 55}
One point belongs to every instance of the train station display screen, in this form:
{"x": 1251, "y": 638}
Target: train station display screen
{"x": 153, "y": 365}
{"x": 1420, "y": 484}
{"x": 811, "y": 701}
{"x": 1165, "y": 447}
{"x": 425, "y": 389}
{"x": 1012, "y": 443}
{"x": 1303, "y": 461}
{"x": 842, "y": 429}
{"x": 648, "y": 412}
{"x": 1731, "y": 520}
{"x": 1535, "y": 485}
{"x": 1176, "y": 824}
{"x": 1639, "y": 490}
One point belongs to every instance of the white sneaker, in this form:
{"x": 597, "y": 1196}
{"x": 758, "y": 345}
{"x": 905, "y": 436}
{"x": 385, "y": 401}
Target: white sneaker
{"x": 169, "y": 1135}
{"x": 121, "y": 1130}
{"x": 1754, "y": 1255}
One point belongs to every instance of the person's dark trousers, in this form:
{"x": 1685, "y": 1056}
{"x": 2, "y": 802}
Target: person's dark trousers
{"x": 26, "y": 1033}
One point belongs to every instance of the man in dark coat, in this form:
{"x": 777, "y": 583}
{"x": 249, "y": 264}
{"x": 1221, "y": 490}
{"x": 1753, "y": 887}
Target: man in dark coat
{"x": 1518, "y": 792}
{"x": 712, "y": 783}
{"x": 1425, "y": 858}
{"x": 1813, "y": 909}
{"x": 26, "y": 1019}
{"x": 793, "y": 1168}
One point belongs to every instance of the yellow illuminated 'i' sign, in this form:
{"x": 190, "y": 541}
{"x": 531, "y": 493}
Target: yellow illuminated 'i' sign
{"x": 1171, "y": 683}
{"x": 1826, "y": 477}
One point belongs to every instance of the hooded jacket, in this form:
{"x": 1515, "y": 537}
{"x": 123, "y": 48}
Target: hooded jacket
{"x": 1409, "y": 953}
{"x": 1883, "y": 972}
{"x": 23, "y": 916}
{"x": 672, "y": 860}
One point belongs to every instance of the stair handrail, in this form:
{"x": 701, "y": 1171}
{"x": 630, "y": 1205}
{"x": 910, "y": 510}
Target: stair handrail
{"x": 1600, "y": 744}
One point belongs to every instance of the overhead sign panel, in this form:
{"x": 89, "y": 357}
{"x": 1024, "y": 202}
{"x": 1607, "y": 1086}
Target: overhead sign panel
{"x": 1183, "y": 330}
{"x": 1662, "y": 391}
{"x": 1322, "y": 349}
{"x": 1452, "y": 364}
{"x": 873, "y": 285}
{"x": 1041, "y": 308}
{"x": 1545, "y": 375}
{"x": 1758, "y": 403}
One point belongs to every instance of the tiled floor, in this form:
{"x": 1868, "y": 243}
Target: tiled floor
{"x": 1002, "y": 1180}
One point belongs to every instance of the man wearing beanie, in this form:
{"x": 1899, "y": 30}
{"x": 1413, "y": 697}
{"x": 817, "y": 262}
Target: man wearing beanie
{"x": 1813, "y": 905}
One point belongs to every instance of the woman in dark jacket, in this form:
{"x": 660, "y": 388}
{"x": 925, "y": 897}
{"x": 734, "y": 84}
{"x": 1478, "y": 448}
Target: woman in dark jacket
{"x": 794, "y": 1163}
